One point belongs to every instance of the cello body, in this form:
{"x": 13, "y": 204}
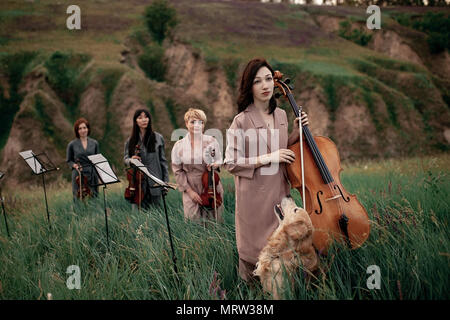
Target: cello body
{"x": 335, "y": 214}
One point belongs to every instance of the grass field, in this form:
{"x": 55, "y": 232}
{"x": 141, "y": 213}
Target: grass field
{"x": 407, "y": 202}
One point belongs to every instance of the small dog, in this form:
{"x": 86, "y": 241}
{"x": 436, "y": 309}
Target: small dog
{"x": 289, "y": 246}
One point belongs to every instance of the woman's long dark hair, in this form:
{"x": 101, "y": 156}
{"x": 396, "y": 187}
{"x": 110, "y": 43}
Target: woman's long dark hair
{"x": 245, "y": 97}
{"x": 149, "y": 138}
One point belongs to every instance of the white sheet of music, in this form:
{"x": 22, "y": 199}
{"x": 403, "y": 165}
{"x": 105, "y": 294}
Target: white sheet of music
{"x": 141, "y": 166}
{"x": 30, "y": 159}
{"x": 103, "y": 168}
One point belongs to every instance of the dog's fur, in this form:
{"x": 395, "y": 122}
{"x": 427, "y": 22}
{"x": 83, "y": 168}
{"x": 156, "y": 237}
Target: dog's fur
{"x": 289, "y": 247}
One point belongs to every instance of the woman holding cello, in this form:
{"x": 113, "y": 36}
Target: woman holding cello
{"x": 258, "y": 191}
{"x": 83, "y": 174}
{"x": 193, "y": 158}
{"x": 313, "y": 165}
{"x": 147, "y": 146}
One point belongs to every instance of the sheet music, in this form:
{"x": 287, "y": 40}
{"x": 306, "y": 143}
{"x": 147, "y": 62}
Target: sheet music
{"x": 103, "y": 168}
{"x": 31, "y": 160}
{"x": 1, "y": 174}
{"x": 143, "y": 168}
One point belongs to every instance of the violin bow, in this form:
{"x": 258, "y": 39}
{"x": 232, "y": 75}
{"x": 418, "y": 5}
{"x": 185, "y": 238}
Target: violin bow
{"x": 285, "y": 91}
{"x": 213, "y": 155}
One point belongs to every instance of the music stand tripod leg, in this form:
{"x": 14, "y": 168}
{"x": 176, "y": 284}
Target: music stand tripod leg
{"x": 4, "y": 213}
{"x": 106, "y": 216}
{"x": 174, "y": 258}
{"x": 46, "y": 203}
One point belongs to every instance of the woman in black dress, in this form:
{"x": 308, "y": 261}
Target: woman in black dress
{"x": 78, "y": 151}
{"x": 151, "y": 154}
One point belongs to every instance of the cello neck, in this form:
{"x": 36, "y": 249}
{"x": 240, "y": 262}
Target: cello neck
{"x": 318, "y": 159}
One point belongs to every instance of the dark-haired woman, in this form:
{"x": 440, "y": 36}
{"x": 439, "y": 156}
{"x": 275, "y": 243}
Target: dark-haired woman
{"x": 77, "y": 153}
{"x": 151, "y": 154}
{"x": 256, "y": 155}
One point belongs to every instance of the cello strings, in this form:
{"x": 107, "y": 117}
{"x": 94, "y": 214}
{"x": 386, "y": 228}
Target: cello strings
{"x": 317, "y": 156}
{"x": 318, "y": 159}
{"x": 323, "y": 168}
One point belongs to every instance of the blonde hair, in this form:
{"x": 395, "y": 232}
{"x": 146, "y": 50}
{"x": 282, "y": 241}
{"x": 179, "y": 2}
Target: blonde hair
{"x": 196, "y": 114}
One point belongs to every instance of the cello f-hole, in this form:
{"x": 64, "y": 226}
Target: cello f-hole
{"x": 320, "y": 203}
{"x": 345, "y": 199}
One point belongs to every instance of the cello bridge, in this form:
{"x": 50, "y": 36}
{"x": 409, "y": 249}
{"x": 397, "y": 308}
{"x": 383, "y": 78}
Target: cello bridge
{"x": 333, "y": 198}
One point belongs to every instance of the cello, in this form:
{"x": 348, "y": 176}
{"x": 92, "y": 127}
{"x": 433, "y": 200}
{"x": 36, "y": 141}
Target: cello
{"x": 210, "y": 180}
{"x": 82, "y": 182}
{"x": 133, "y": 193}
{"x": 335, "y": 214}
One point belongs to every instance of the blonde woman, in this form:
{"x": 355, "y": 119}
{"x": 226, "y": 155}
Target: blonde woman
{"x": 191, "y": 157}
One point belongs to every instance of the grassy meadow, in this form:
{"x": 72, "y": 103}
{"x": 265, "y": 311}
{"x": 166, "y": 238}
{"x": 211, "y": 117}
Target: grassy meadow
{"x": 407, "y": 202}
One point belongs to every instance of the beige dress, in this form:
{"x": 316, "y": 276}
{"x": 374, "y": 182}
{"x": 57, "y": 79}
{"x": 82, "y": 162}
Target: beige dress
{"x": 188, "y": 166}
{"x": 257, "y": 189}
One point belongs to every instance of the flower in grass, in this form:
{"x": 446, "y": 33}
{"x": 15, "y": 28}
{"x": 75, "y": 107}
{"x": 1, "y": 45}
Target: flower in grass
{"x": 214, "y": 288}
{"x": 49, "y": 296}
{"x": 139, "y": 233}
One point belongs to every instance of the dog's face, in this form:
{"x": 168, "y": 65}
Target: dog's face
{"x": 294, "y": 220}
{"x": 285, "y": 210}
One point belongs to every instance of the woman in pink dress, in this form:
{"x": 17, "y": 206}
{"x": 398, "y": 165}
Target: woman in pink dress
{"x": 191, "y": 157}
{"x": 256, "y": 155}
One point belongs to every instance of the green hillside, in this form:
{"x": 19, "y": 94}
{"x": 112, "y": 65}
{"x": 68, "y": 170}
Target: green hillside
{"x": 372, "y": 102}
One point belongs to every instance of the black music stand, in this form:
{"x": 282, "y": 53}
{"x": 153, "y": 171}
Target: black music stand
{"x": 106, "y": 176}
{"x": 3, "y": 205}
{"x": 40, "y": 164}
{"x": 163, "y": 186}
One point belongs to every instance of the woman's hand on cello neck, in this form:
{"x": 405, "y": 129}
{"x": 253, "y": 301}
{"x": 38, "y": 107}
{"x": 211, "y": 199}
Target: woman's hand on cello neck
{"x": 294, "y": 136}
{"x": 305, "y": 120}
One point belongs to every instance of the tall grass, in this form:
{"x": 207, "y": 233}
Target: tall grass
{"x": 406, "y": 201}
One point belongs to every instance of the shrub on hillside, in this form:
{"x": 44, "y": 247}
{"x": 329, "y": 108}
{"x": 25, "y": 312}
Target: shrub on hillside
{"x": 160, "y": 19}
{"x": 355, "y": 35}
{"x": 152, "y": 62}
{"x": 435, "y": 25}
{"x": 63, "y": 70}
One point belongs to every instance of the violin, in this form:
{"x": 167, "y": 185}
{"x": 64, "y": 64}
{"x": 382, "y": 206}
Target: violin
{"x": 335, "y": 214}
{"x": 83, "y": 186}
{"x": 135, "y": 177}
{"x": 211, "y": 199}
